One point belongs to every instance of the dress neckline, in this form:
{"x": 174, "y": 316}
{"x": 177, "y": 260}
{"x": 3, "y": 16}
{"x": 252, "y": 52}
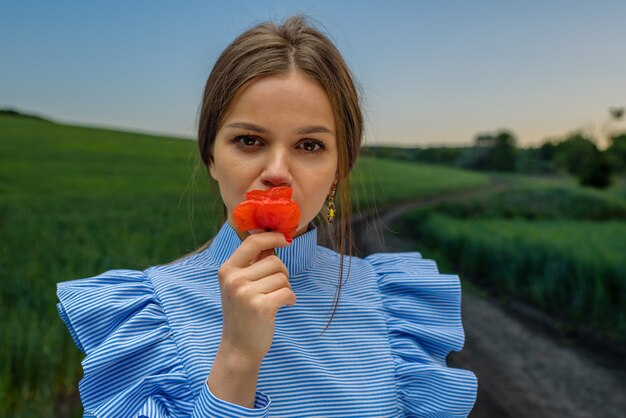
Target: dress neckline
{"x": 297, "y": 256}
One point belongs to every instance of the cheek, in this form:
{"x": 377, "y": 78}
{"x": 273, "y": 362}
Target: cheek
{"x": 232, "y": 170}
{"x": 233, "y": 181}
{"x": 317, "y": 194}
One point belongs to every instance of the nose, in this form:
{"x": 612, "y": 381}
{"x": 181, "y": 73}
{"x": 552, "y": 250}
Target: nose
{"x": 277, "y": 170}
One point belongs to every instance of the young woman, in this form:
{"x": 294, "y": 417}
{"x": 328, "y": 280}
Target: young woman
{"x": 236, "y": 330}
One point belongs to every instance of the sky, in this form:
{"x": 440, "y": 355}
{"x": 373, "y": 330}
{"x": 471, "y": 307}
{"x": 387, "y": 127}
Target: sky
{"x": 432, "y": 73}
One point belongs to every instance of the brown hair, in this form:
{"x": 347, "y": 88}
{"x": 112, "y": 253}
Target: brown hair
{"x": 269, "y": 49}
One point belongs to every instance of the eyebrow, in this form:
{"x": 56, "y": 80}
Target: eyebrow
{"x": 302, "y": 131}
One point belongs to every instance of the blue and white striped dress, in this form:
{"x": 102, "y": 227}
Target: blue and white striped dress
{"x": 150, "y": 338}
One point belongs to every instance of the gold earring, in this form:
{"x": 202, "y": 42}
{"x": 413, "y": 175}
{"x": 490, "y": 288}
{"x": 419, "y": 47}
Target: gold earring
{"x": 330, "y": 209}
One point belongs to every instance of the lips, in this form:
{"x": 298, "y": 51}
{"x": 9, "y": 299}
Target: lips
{"x": 270, "y": 210}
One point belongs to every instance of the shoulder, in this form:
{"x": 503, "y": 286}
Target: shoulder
{"x": 423, "y": 314}
{"x": 414, "y": 292}
{"x": 116, "y": 319}
{"x": 96, "y": 306}
{"x": 401, "y": 261}
{"x": 410, "y": 272}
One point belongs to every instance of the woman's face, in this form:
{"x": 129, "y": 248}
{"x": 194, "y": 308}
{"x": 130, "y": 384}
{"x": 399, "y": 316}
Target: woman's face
{"x": 278, "y": 131}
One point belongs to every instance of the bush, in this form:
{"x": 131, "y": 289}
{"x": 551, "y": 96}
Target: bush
{"x": 596, "y": 172}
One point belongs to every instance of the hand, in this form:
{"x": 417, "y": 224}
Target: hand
{"x": 254, "y": 284}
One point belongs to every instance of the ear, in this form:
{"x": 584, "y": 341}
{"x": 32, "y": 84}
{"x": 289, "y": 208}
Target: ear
{"x": 333, "y": 186}
{"x": 212, "y": 170}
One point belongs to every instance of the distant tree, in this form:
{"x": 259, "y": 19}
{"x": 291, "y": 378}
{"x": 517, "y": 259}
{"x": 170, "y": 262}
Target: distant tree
{"x": 433, "y": 155}
{"x": 548, "y": 151}
{"x": 378, "y": 151}
{"x": 492, "y": 152}
{"x": 475, "y": 158}
{"x": 502, "y": 155}
{"x": 616, "y": 153}
{"x": 572, "y": 153}
{"x": 596, "y": 171}
{"x": 616, "y": 112}
{"x": 14, "y": 113}
{"x": 533, "y": 161}
{"x": 10, "y": 112}
{"x": 578, "y": 155}
{"x": 439, "y": 155}
{"x": 402, "y": 154}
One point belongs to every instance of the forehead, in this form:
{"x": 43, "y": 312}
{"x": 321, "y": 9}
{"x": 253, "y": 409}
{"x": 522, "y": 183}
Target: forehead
{"x": 286, "y": 98}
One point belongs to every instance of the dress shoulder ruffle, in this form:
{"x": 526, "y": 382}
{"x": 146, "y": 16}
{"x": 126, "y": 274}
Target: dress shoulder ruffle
{"x": 423, "y": 315}
{"x": 131, "y": 367}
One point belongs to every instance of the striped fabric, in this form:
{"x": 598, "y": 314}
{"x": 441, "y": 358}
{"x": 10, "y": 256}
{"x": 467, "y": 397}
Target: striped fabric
{"x": 150, "y": 338}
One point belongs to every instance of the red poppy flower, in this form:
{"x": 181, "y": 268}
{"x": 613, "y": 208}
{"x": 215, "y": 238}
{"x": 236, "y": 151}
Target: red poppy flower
{"x": 271, "y": 210}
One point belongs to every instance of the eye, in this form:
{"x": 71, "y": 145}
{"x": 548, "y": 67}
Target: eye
{"x": 309, "y": 146}
{"x": 248, "y": 142}
{"x": 244, "y": 141}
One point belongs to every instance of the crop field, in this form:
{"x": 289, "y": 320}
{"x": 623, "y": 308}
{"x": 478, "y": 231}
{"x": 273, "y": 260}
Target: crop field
{"x": 557, "y": 246}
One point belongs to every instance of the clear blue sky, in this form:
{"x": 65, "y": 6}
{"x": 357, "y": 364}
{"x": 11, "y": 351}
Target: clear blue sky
{"x": 436, "y": 72}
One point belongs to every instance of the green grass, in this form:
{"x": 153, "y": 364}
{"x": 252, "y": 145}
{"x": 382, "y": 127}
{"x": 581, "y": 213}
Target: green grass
{"x": 563, "y": 252}
{"x": 617, "y": 189}
{"x": 547, "y": 202}
{"x": 77, "y": 201}
{"x": 385, "y": 182}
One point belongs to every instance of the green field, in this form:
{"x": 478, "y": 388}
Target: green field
{"x": 385, "y": 182}
{"x": 557, "y": 246}
{"x": 77, "y": 201}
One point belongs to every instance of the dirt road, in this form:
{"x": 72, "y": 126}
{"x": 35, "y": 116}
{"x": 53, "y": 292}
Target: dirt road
{"x": 523, "y": 370}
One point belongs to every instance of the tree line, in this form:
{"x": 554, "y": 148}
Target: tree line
{"x": 576, "y": 154}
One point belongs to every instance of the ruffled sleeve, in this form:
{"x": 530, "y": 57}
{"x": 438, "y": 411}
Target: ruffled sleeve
{"x": 132, "y": 367}
{"x": 423, "y": 315}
